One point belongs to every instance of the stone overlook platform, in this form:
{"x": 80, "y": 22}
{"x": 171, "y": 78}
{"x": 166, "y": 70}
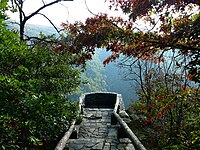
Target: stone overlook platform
{"x": 102, "y": 127}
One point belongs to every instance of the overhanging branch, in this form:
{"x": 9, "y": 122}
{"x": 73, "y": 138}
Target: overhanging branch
{"x": 44, "y": 6}
{"x": 49, "y": 22}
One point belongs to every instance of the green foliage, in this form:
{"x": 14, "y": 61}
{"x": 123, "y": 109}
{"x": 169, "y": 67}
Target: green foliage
{"x": 34, "y": 83}
{"x": 169, "y": 106}
{"x": 3, "y": 8}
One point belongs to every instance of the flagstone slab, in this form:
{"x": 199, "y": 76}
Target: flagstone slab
{"x": 97, "y": 133}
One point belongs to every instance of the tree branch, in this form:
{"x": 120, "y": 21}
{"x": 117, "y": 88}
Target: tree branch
{"x": 19, "y": 7}
{"x": 43, "y": 2}
{"x": 44, "y": 6}
{"x": 37, "y": 40}
{"x": 174, "y": 46}
{"x": 50, "y": 22}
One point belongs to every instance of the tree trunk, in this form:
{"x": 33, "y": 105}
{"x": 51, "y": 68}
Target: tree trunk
{"x": 21, "y": 32}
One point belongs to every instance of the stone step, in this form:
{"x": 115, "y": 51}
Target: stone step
{"x": 97, "y": 132}
{"x": 99, "y": 144}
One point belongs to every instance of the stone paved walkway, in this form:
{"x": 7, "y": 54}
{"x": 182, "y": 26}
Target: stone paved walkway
{"x": 97, "y": 133}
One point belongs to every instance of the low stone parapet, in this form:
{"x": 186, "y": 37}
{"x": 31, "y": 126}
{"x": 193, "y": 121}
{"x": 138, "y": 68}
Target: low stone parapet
{"x": 104, "y": 119}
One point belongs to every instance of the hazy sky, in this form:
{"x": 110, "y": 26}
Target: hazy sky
{"x": 70, "y": 11}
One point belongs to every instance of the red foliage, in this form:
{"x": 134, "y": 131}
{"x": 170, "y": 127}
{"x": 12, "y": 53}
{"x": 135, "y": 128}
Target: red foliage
{"x": 149, "y": 121}
{"x": 161, "y": 113}
{"x": 122, "y": 37}
{"x": 133, "y": 7}
{"x": 143, "y": 107}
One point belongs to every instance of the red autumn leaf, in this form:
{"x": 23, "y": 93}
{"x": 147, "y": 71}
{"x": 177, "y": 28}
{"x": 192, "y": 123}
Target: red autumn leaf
{"x": 172, "y": 105}
{"x": 160, "y": 115}
{"x": 80, "y": 61}
{"x": 149, "y": 121}
{"x": 143, "y": 107}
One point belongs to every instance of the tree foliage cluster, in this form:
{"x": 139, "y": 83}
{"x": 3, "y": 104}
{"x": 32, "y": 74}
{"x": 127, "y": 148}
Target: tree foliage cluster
{"x": 163, "y": 59}
{"x": 34, "y": 82}
{"x": 165, "y": 56}
{"x": 123, "y": 36}
{"x": 169, "y": 105}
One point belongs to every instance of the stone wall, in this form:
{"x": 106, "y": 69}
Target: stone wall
{"x": 104, "y": 116}
{"x": 100, "y": 100}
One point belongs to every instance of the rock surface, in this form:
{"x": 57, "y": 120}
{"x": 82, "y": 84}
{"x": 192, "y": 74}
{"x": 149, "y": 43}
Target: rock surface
{"x": 97, "y": 133}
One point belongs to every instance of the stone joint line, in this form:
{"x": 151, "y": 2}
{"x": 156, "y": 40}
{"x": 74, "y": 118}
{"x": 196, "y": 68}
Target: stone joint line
{"x": 96, "y": 132}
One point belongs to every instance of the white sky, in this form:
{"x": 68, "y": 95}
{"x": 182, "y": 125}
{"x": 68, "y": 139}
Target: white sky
{"x": 70, "y": 11}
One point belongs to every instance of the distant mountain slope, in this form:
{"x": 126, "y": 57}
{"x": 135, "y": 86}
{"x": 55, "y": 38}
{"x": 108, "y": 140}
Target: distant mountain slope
{"x": 32, "y": 29}
{"x": 115, "y": 80}
{"x": 35, "y": 30}
{"x": 94, "y": 76}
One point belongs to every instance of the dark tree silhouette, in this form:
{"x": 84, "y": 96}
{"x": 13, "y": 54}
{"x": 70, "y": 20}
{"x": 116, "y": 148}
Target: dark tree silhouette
{"x": 23, "y": 18}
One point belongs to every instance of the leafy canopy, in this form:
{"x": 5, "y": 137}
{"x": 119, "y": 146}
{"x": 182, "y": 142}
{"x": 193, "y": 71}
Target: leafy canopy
{"x": 173, "y": 25}
{"x": 34, "y": 82}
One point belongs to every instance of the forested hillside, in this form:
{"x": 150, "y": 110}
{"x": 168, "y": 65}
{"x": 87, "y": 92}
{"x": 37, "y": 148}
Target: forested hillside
{"x": 115, "y": 77}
